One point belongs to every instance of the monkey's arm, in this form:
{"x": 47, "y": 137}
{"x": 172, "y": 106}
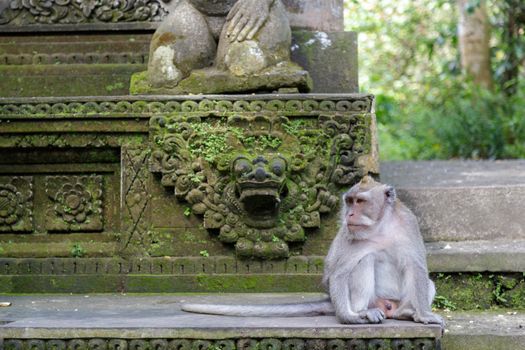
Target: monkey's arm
{"x": 351, "y": 290}
{"x": 418, "y": 294}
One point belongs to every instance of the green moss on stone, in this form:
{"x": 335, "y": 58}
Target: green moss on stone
{"x": 467, "y": 291}
{"x": 211, "y": 81}
{"x": 511, "y": 291}
{"x": 470, "y": 291}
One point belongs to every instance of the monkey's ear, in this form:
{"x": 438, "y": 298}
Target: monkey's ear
{"x": 390, "y": 194}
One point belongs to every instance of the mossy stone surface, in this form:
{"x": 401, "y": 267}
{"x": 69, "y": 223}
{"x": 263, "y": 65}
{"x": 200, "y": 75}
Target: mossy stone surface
{"x": 465, "y": 290}
{"x": 214, "y": 81}
{"x": 66, "y": 80}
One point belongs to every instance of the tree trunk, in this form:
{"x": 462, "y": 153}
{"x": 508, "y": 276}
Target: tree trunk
{"x": 474, "y": 35}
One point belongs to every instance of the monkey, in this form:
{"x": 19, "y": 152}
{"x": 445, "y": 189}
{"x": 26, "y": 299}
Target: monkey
{"x": 375, "y": 267}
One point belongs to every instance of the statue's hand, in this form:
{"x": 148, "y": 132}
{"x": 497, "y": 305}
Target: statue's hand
{"x": 246, "y": 18}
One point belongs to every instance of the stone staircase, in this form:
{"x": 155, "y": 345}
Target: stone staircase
{"x": 482, "y": 276}
{"x": 471, "y": 215}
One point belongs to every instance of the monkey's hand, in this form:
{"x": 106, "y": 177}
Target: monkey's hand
{"x": 246, "y": 18}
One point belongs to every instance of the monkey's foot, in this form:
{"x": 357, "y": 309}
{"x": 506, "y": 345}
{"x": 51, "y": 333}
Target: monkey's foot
{"x": 374, "y": 315}
{"x": 429, "y": 318}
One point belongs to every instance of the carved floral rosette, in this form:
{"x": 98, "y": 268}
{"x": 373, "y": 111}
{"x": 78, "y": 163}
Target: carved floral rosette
{"x": 16, "y": 204}
{"x": 76, "y": 203}
{"x": 261, "y": 173}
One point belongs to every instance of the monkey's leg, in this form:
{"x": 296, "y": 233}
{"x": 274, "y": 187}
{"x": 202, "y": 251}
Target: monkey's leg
{"x": 181, "y": 43}
{"x": 345, "y": 284}
{"x": 416, "y": 290}
{"x": 363, "y": 290}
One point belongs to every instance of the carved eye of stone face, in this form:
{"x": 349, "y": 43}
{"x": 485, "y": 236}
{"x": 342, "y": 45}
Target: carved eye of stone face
{"x": 278, "y": 166}
{"x": 242, "y": 166}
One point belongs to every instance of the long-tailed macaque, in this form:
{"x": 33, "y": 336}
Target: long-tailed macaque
{"x": 375, "y": 268}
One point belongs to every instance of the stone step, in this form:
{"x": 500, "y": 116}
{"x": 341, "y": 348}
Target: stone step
{"x": 462, "y": 200}
{"x": 486, "y": 330}
{"x": 476, "y": 256}
{"x": 156, "y": 322}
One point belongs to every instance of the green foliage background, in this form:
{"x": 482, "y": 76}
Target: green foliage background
{"x": 427, "y": 109}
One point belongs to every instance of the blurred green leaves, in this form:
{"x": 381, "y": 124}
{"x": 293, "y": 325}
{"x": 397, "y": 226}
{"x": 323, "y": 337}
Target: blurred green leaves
{"x": 426, "y": 108}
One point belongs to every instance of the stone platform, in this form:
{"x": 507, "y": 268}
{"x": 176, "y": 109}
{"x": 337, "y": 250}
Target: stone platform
{"x": 156, "y": 322}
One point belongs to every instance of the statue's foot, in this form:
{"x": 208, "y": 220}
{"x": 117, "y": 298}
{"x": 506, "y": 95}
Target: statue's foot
{"x": 161, "y": 71}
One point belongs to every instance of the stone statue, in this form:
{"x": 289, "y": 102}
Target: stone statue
{"x": 205, "y": 46}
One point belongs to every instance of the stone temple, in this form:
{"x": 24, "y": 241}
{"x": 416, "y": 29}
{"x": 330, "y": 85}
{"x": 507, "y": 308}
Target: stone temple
{"x": 182, "y": 146}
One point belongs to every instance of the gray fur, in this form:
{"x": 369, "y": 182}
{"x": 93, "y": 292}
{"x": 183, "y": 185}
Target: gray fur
{"x": 381, "y": 256}
{"x": 383, "y": 260}
{"x": 316, "y": 308}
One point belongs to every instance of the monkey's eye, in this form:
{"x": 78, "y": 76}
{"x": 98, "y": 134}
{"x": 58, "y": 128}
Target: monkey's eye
{"x": 359, "y": 200}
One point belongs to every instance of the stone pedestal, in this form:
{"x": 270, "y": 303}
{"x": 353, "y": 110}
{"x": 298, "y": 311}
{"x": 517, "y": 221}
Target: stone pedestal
{"x": 207, "y": 180}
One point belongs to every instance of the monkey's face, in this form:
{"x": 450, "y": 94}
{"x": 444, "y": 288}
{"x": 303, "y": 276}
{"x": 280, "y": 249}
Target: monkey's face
{"x": 364, "y": 208}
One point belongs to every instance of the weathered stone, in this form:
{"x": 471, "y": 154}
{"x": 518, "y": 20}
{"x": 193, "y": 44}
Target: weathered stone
{"x": 248, "y": 45}
{"x": 66, "y": 80}
{"x": 488, "y": 330}
{"x": 159, "y": 317}
{"x": 476, "y": 256}
{"x": 77, "y": 12}
{"x": 306, "y": 14}
{"x": 326, "y": 15}
{"x": 213, "y": 81}
{"x": 330, "y": 58}
{"x": 462, "y": 200}
{"x": 244, "y": 173}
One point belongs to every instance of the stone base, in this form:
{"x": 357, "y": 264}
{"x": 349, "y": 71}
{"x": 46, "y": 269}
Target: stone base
{"x": 214, "y": 81}
{"x": 156, "y": 322}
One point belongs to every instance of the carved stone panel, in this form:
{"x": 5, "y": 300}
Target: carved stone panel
{"x": 135, "y": 205}
{"x": 262, "y": 174}
{"x": 16, "y": 204}
{"x": 75, "y": 203}
{"x": 80, "y": 11}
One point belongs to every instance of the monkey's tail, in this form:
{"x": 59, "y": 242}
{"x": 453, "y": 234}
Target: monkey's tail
{"x": 316, "y": 308}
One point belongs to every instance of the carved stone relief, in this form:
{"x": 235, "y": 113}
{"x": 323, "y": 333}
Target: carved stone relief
{"x": 16, "y": 203}
{"x": 136, "y": 199}
{"x": 81, "y": 11}
{"x": 76, "y": 203}
{"x": 225, "y": 344}
{"x": 261, "y": 180}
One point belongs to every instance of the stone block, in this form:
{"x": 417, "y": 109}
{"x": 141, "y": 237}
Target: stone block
{"x": 324, "y": 15}
{"x": 462, "y": 200}
{"x": 330, "y": 58}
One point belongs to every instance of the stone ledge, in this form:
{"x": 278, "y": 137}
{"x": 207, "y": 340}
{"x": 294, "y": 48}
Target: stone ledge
{"x": 101, "y": 319}
{"x": 476, "y": 256}
{"x": 486, "y": 330}
{"x": 462, "y": 200}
